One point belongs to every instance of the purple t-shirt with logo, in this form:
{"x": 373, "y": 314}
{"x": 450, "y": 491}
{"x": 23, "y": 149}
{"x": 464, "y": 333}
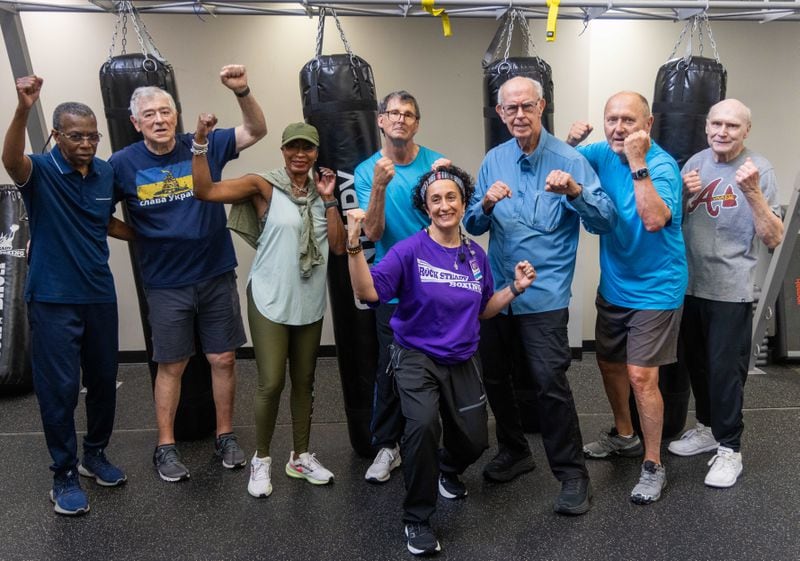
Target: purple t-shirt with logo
{"x": 441, "y": 292}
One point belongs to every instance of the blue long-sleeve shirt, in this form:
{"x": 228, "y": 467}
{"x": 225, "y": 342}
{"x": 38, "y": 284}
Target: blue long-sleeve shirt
{"x": 534, "y": 224}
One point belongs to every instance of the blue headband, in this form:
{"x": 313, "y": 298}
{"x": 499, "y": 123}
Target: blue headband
{"x": 438, "y": 175}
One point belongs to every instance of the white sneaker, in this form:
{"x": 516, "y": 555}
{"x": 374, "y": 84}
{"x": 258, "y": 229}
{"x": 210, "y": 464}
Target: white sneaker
{"x": 694, "y": 441}
{"x": 381, "y": 469}
{"x": 726, "y": 467}
{"x": 307, "y": 467}
{"x": 260, "y": 484}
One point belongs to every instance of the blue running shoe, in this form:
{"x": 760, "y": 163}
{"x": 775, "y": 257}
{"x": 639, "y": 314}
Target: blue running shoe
{"x": 95, "y": 464}
{"x": 67, "y": 496}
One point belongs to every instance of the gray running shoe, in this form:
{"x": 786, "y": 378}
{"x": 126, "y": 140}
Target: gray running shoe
{"x": 168, "y": 463}
{"x": 227, "y": 447}
{"x": 611, "y": 443}
{"x": 652, "y": 481}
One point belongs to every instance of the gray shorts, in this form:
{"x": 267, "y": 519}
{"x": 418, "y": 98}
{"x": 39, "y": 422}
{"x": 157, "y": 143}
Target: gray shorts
{"x": 213, "y": 305}
{"x": 637, "y": 337}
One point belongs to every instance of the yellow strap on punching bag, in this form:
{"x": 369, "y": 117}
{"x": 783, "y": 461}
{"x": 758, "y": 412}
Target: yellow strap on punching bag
{"x": 552, "y": 16}
{"x": 427, "y": 5}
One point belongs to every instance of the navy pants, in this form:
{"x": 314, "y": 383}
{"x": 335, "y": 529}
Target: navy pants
{"x": 427, "y": 390}
{"x": 715, "y": 343}
{"x": 65, "y": 340}
{"x": 538, "y": 345}
{"x": 387, "y": 419}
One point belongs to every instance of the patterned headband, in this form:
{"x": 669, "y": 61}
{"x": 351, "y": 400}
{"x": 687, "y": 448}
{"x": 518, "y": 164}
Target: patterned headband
{"x": 436, "y": 176}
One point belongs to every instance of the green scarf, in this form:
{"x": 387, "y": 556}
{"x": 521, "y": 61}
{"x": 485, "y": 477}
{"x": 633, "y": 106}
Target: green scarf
{"x": 309, "y": 254}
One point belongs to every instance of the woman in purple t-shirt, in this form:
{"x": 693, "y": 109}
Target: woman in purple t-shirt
{"x": 444, "y": 286}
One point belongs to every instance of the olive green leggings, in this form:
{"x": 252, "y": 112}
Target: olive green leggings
{"x": 273, "y": 344}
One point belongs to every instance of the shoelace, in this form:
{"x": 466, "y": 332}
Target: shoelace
{"x": 414, "y": 530}
{"x": 572, "y": 485}
{"x": 311, "y": 462}
{"x": 385, "y": 457}
{"x": 725, "y": 459}
{"x": 261, "y": 471}
{"x": 168, "y": 456}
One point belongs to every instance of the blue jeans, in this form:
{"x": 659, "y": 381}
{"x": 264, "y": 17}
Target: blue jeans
{"x": 65, "y": 339}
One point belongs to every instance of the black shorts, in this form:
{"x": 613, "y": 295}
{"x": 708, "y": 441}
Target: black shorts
{"x": 637, "y": 337}
{"x": 212, "y": 304}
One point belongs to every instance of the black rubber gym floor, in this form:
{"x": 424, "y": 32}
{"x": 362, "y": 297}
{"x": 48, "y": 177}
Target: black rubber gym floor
{"x": 211, "y": 516}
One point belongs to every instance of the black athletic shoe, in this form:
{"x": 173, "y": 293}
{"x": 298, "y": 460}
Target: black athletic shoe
{"x": 574, "y": 497}
{"x": 421, "y": 540}
{"x": 451, "y": 487}
{"x": 505, "y": 466}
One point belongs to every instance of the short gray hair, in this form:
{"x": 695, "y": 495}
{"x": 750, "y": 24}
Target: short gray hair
{"x": 537, "y": 86}
{"x": 149, "y": 92}
{"x": 71, "y": 108}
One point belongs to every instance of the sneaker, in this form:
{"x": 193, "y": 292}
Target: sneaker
{"x": 574, "y": 497}
{"x": 168, "y": 463}
{"x": 95, "y": 464}
{"x": 421, "y": 540}
{"x": 307, "y": 467}
{"x": 67, "y": 496}
{"x": 726, "y": 467}
{"x": 450, "y": 486}
{"x": 611, "y": 443}
{"x": 381, "y": 469}
{"x": 260, "y": 484}
{"x": 652, "y": 481}
{"x": 227, "y": 447}
{"x": 505, "y": 466}
{"x": 694, "y": 441}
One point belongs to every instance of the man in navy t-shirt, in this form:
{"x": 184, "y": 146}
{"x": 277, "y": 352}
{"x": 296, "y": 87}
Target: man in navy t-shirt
{"x": 186, "y": 256}
{"x": 72, "y": 306}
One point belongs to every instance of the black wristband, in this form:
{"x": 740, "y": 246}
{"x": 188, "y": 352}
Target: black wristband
{"x": 331, "y": 204}
{"x": 244, "y": 93}
{"x": 514, "y": 290}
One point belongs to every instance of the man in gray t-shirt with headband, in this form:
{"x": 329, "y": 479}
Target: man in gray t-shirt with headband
{"x": 731, "y": 207}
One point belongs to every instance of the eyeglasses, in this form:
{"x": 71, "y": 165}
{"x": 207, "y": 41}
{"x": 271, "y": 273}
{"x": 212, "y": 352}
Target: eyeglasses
{"x": 93, "y": 138}
{"x": 529, "y": 108}
{"x": 396, "y": 116}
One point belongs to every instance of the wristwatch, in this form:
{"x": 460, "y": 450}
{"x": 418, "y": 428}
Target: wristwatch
{"x": 642, "y": 173}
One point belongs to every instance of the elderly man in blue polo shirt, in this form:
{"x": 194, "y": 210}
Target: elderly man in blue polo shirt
{"x": 533, "y": 193}
{"x": 72, "y": 305}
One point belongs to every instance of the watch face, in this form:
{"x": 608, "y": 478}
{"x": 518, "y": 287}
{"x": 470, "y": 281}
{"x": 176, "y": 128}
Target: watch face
{"x": 641, "y": 173}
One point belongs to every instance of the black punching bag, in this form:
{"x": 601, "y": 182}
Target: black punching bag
{"x": 494, "y": 75}
{"x": 497, "y": 69}
{"x": 15, "y": 358}
{"x": 338, "y": 96}
{"x": 119, "y": 77}
{"x": 685, "y": 90}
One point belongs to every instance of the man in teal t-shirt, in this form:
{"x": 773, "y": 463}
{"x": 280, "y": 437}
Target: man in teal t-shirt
{"x": 642, "y": 281}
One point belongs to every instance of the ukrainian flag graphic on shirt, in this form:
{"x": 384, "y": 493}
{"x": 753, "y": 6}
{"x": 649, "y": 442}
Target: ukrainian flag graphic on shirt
{"x": 164, "y": 184}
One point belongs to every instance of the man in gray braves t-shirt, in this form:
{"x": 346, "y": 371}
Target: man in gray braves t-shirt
{"x": 731, "y": 207}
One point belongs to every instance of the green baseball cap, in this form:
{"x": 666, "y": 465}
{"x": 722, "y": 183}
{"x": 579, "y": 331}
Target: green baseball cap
{"x": 302, "y": 131}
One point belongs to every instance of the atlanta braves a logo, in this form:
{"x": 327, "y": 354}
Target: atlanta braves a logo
{"x": 714, "y": 202}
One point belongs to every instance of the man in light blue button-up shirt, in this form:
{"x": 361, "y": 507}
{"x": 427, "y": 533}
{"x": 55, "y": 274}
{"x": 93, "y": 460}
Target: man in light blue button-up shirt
{"x": 533, "y": 192}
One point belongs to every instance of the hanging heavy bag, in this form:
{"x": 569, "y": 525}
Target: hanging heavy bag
{"x": 685, "y": 90}
{"x": 15, "y": 358}
{"x": 338, "y": 96}
{"x": 119, "y": 76}
{"x": 497, "y": 70}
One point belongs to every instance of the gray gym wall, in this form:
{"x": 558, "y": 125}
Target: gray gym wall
{"x": 444, "y": 73}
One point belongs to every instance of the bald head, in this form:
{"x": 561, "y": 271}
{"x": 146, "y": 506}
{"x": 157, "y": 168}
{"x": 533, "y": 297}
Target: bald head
{"x": 634, "y": 100}
{"x": 625, "y": 113}
{"x": 734, "y": 107}
{"x": 727, "y": 126}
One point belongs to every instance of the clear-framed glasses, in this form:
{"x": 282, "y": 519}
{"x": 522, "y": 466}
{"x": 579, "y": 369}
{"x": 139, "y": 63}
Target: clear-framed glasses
{"x": 77, "y": 138}
{"x": 529, "y": 108}
{"x": 396, "y": 116}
